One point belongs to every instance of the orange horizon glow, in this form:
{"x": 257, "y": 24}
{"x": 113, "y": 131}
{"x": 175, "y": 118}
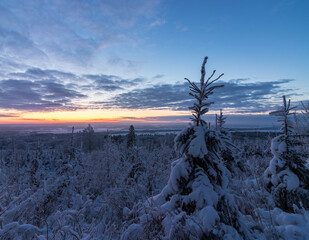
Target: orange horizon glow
{"x": 102, "y": 120}
{"x": 91, "y": 116}
{"x": 102, "y": 116}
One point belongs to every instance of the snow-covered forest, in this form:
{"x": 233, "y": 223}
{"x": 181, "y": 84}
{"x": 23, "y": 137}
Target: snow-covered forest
{"x": 204, "y": 183}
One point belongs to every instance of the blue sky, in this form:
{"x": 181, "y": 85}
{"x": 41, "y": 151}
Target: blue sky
{"x": 70, "y": 56}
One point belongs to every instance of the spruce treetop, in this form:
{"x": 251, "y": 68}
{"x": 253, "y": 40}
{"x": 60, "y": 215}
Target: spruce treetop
{"x": 201, "y": 94}
{"x": 283, "y": 114}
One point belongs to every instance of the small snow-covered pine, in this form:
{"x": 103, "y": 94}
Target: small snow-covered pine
{"x": 287, "y": 176}
{"x": 196, "y": 202}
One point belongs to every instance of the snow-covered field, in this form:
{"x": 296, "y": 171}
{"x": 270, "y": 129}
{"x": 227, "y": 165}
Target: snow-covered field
{"x": 94, "y": 186}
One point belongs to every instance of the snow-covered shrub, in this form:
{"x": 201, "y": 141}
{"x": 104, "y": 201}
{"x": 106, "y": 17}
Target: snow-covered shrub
{"x": 279, "y": 224}
{"x": 287, "y": 176}
{"x": 196, "y": 202}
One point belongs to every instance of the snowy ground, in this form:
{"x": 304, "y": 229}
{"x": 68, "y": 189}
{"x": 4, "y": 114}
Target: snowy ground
{"x": 54, "y": 188}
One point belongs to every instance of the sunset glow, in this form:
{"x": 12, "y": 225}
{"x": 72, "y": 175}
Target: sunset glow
{"x": 90, "y": 116}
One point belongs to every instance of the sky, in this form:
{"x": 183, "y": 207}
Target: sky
{"x": 125, "y": 61}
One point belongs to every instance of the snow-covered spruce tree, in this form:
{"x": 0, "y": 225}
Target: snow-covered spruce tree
{"x": 230, "y": 158}
{"x": 287, "y": 176}
{"x": 88, "y": 139}
{"x": 196, "y": 203}
{"x": 220, "y": 120}
{"x": 137, "y": 166}
{"x": 131, "y": 137}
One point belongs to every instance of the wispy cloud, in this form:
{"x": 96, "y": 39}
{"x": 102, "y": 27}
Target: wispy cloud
{"x": 8, "y": 115}
{"x": 111, "y": 82}
{"x": 158, "y": 22}
{"x": 182, "y": 27}
{"x": 124, "y": 64}
{"x": 52, "y": 33}
{"x": 158, "y": 76}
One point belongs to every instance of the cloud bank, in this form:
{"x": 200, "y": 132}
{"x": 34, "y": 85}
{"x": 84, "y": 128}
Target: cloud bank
{"x": 52, "y": 90}
{"x": 237, "y": 95}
